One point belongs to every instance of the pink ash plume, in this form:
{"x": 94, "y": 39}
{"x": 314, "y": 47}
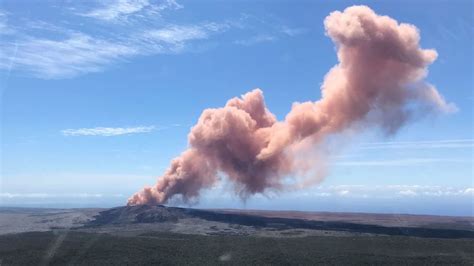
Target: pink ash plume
{"x": 378, "y": 82}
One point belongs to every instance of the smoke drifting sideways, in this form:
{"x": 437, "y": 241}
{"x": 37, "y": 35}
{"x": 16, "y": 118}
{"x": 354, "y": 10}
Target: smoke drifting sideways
{"x": 378, "y": 83}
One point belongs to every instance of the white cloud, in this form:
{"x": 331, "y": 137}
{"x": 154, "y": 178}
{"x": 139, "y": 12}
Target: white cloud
{"x": 293, "y": 31}
{"x": 407, "y": 192}
{"x": 107, "y": 131}
{"x": 177, "y": 34}
{"x": 3, "y": 24}
{"x": 55, "y": 50}
{"x": 117, "y": 10}
{"x": 265, "y": 29}
{"x": 24, "y": 195}
{"x": 343, "y": 192}
{"x": 175, "y": 38}
{"x": 7, "y": 195}
{"x": 469, "y": 191}
{"x": 435, "y": 144}
{"x": 323, "y": 194}
{"x": 256, "y": 40}
{"x": 66, "y": 48}
{"x": 5, "y": 28}
{"x": 400, "y": 162}
{"x": 77, "y": 54}
{"x": 388, "y": 191}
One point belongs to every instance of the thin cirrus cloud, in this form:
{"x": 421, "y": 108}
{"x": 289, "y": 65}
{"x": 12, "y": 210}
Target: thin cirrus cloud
{"x": 278, "y": 33}
{"x": 400, "y": 162}
{"x": 339, "y": 191}
{"x": 348, "y": 191}
{"x": 293, "y": 31}
{"x": 175, "y": 37}
{"x": 256, "y": 40}
{"x": 65, "y": 52}
{"x": 120, "y": 10}
{"x": 107, "y": 131}
{"x": 3, "y": 22}
{"x": 55, "y": 50}
{"x": 389, "y": 191}
{"x": 435, "y": 144}
{"x": 45, "y": 58}
{"x": 7, "y": 195}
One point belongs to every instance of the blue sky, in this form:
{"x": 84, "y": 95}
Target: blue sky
{"x": 98, "y": 97}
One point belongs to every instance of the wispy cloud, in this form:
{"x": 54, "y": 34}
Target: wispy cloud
{"x": 177, "y": 34}
{"x": 343, "y": 192}
{"x": 107, "y": 131}
{"x": 3, "y": 23}
{"x": 23, "y": 195}
{"x": 389, "y": 191}
{"x": 400, "y": 162}
{"x": 52, "y": 51}
{"x": 293, "y": 31}
{"x": 435, "y": 144}
{"x": 270, "y": 29}
{"x": 78, "y": 53}
{"x": 273, "y": 35}
{"x": 407, "y": 192}
{"x": 435, "y": 191}
{"x": 120, "y": 10}
{"x": 174, "y": 38}
{"x": 256, "y": 40}
{"x": 102, "y": 34}
{"x": 7, "y": 195}
{"x": 74, "y": 55}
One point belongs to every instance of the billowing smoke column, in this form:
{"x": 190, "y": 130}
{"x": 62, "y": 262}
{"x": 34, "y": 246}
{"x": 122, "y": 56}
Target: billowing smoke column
{"x": 378, "y": 82}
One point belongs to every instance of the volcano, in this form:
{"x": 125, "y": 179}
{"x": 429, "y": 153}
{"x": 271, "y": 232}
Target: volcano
{"x": 244, "y": 221}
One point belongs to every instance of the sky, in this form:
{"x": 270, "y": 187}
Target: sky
{"x": 97, "y": 97}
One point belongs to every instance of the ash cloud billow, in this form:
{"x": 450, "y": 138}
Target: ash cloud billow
{"x": 378, "y": 83}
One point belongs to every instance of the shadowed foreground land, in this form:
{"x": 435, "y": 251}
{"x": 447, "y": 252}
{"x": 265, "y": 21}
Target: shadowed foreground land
{"x": 155, "y": 234}
{"x": 79, "y": 248}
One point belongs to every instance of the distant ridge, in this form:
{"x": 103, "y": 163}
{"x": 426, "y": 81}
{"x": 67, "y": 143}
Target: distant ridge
{"x": 143, "y": 214}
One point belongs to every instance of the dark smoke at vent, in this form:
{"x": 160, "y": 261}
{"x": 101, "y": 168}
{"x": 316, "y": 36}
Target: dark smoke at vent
{"x": 378, "y": 83}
